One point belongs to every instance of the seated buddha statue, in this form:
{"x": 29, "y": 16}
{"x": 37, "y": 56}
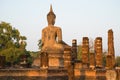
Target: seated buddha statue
{"x": 52, "y": 35}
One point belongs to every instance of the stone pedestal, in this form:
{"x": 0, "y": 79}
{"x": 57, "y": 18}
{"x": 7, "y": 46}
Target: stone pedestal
{"x": 52, "y": 60}
{"x": 55, "y": 60}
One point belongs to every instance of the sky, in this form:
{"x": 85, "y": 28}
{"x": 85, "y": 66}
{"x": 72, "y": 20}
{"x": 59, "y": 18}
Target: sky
{"x": 76, "y": 18}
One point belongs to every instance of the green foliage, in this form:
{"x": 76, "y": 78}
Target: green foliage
{"x": 104, "y": 58}
{"x": 79, "y": 56}
{"x": 12, "y": 44}
{"x": 12, "y": 54}
{"x": 34, "y": 54}
{"x": 118, "y": 61}
{"x": 40, "y": 44}
{"x": 29, "y": 57}
{"x": 29, "y": 60}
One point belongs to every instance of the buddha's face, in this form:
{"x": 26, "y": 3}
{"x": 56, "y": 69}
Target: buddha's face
{"x": 51, "y": 19}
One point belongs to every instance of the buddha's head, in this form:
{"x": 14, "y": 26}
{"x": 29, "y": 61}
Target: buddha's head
{"x": 51, "y": 17}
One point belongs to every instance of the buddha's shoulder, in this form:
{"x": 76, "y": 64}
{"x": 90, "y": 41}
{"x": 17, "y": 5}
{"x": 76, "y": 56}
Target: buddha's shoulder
{"x": 54, "y": 28}
{"x": 58, "y": 28}
{"x": 44, "y": 29}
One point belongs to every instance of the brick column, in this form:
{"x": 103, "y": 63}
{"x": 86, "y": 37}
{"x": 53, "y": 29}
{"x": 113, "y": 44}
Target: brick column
{"x": 74, "y": 48}
{"x": 85, "y": 52}
{"x": 111, "y": 52}
{"x": 98, "y": 52}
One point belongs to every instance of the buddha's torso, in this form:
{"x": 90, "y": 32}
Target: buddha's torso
{"x": 50, "y": 35}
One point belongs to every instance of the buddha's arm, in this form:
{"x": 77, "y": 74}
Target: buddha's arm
{"x": 59, "y": 35}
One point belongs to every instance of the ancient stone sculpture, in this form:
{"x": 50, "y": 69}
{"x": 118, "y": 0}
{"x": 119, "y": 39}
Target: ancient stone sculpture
{"x": 98, "y": 52}
{"x": 52, "y": 42}
{"x": 52, "y": 35}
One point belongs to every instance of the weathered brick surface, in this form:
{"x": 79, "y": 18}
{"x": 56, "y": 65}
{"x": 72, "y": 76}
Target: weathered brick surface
{"x": 33, "y": 74}
{"x": 98, "y": 51}
{"x": 85, "y": 52}
{"x": 110, "y": 60}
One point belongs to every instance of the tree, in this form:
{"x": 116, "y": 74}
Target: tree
{"x": 22, "y": 42}
{"x": 10, "y": 39}
{"x": 118, "y": 61}
{"x": 40, "y": 44}
{"x": 79, "y": 56}
{"x": 104, "y": 58}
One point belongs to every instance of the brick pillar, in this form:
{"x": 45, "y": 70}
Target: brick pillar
{"x": 67, "y": 63}
{"x": 108, "y": 62}
{"x": 111, "y": 51}
{"x": 67, "y": 57}
{"x": 44, "y": 60}
{"x": 74, "y": 48}
{"x": 92, "y": 60}
{"x": 85, "y": 52}
{"x": 98, "y": 52}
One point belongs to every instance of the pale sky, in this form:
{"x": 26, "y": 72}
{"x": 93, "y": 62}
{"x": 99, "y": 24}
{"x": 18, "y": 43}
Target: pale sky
{"x": 77, "y": 18}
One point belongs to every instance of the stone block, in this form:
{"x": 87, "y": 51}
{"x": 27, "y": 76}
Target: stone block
{"x": 78, "y": 65}
{"x": 111, "y": 75}
{"x": 100, "y": 74}
{"x": 54, "y": 62}
{"x": 33, "y": 74}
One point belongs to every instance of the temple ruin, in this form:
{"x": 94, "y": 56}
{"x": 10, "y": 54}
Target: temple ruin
{"x": 58, "y": 60}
